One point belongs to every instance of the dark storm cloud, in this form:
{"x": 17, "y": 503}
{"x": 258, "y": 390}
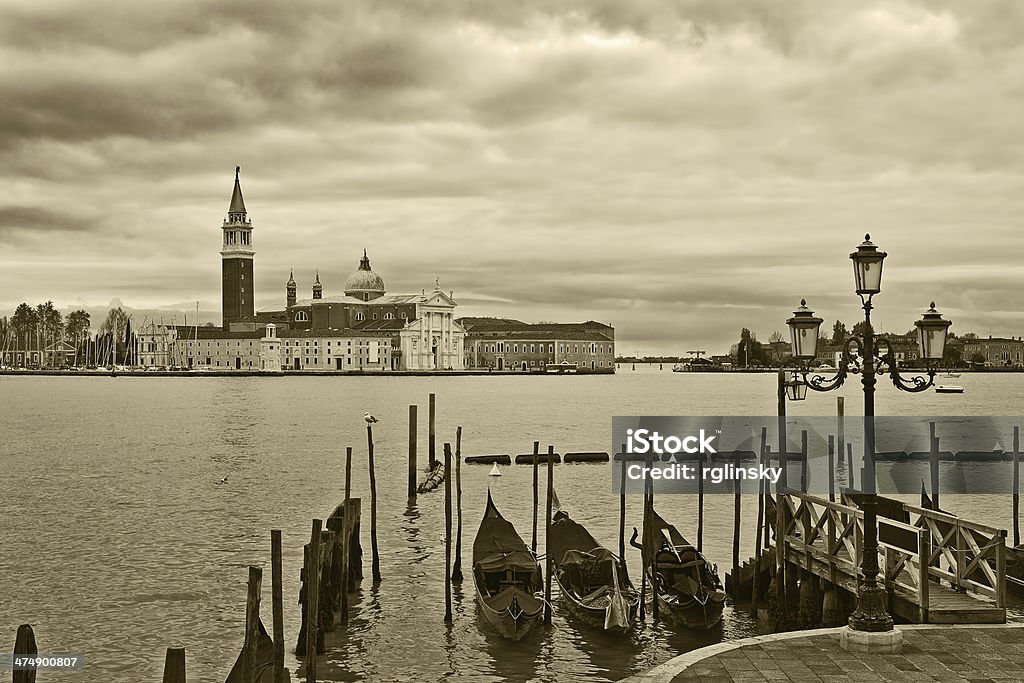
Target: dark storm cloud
{"x": 17, "y": 221}
{"x": 679, "y": 168}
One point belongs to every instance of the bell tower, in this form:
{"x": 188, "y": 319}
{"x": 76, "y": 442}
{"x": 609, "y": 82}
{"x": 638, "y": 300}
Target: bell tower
{"x": 237, "y": 285}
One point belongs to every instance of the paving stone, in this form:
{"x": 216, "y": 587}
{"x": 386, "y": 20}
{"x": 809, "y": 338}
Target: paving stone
{"x": 949, "y": 655}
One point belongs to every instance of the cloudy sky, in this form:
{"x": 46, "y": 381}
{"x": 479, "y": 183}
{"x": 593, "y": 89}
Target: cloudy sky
{"x": 677, "y": 169}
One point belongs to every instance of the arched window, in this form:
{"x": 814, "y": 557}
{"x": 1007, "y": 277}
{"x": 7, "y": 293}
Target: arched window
{"x": 389, "y": 316}
{"x": 360, "y": 316}
{"x": 301, "y": 317}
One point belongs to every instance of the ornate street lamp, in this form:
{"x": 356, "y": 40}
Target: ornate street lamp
{"x": 796, "y": 390}
{"x": 860, "y": 356}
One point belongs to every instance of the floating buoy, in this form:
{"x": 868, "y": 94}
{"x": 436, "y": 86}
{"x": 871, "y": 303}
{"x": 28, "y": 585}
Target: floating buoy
{"x": 495, "y": 472}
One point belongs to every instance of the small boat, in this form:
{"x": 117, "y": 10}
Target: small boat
{"x": 507, "y": 577}
{"x": 591, "y": 581}
{"x": 950, "y": 374}
{"x": 433, "y": 480}
{"x": 689, "y": 590}
{"x": 263, "y": 660}
{"x": 948, "y": 389}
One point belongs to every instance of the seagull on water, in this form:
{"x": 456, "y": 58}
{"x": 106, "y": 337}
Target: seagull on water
{"x": 370, "y": 419}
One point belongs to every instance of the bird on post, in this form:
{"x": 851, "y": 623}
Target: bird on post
{"x": 370, "y": 419}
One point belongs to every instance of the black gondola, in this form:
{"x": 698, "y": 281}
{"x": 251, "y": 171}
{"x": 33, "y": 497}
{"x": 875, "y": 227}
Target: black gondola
{"x": 507, "y": 577}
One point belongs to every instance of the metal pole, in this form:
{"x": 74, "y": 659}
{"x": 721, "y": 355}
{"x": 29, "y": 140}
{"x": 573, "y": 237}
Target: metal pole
{"x": 870, "y": 614}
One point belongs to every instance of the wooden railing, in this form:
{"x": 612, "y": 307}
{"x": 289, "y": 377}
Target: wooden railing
{"x": 974, "y": 554}
{"x": 826, "y": 538}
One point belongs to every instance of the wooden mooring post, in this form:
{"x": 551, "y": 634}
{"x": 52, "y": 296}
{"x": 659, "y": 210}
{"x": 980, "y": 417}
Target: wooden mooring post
{"x": 457, "y": 567}
{"x": 412, "y": 451}
{"x": 841, "y": 427}
{"x": 933, "y": 463}
{"x": 375, "y": 567}
{"x": 346, "y": 537}
{"x": 447, "y": 534}
{"x": 277, "y": 603}
{"x": 313, "y": 600}
{"x": 622, "y": 512}
{"x": 1016, "y": 486}
{"x": 431, "y": 453}
{"x": 736, "y": 504}
{"x": 174, "y": 666}
{"x": 252, "y": 624}
{"x": 536, "y": 462}
{"x": 831, "y": 469}
{"x": 649, "y": 538}
{"x": 849, "y": 466}
{"x": 700, "y": 505}
{"x": 805, "y": 472}
{"x": 547, "y": 536}
{"x": 755, "y": 594}
{"x": 25, "y": 644}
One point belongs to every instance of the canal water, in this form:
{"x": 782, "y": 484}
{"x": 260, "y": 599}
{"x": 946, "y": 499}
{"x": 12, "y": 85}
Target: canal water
{"x": 116, "y": 541}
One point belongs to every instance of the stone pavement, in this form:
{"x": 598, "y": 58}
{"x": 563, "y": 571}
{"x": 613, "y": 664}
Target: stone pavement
{"x": 930, "y": 653}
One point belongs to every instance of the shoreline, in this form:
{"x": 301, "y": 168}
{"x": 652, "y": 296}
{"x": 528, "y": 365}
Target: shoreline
{"x": 286, "y": 373}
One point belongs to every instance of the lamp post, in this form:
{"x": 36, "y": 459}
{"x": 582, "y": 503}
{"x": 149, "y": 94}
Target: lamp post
{"x": 861, "y": 356}
{"x": 795, "y": 390}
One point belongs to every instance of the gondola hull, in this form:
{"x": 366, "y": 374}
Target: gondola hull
{"x": 506, "y": 576}
{"x": 1015, "y": 570}
{"x": 688, "y": 612}
{"x": 511, "y": 621}
{"x": 596, "y": 617}
{"x": 687, "y": 588}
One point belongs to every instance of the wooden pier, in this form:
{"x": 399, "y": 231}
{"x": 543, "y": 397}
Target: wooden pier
{"x": 936, "y": 568}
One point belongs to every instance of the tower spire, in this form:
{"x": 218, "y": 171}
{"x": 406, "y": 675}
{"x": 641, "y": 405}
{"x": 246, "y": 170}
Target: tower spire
{"x": 237, "y": 203}
{"x": 364, "y": 263}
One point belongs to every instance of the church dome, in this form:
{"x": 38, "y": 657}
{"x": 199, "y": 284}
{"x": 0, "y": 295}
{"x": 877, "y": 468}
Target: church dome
{"x": 364, "y": 283}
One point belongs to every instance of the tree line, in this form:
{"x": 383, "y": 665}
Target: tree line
{"x": 43, "y": 328}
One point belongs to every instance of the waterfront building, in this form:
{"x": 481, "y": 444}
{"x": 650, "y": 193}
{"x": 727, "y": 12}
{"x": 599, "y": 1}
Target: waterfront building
{"x": 503, "y": 344}
{"x": 994, "y": 351}
{"x": 155, "y": 345}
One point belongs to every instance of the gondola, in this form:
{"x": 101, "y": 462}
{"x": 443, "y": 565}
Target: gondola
{"x": 507, "y": 577}
{"x": 689, "y": 590}
{"x": 593, "y": 587}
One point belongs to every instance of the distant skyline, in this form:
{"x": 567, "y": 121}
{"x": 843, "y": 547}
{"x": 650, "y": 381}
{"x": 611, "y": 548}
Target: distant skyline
{"x": 676, "y": 169}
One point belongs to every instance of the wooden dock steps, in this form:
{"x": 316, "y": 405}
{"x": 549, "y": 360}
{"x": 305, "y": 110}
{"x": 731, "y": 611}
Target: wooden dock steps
{"x": 743, "y": 583}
